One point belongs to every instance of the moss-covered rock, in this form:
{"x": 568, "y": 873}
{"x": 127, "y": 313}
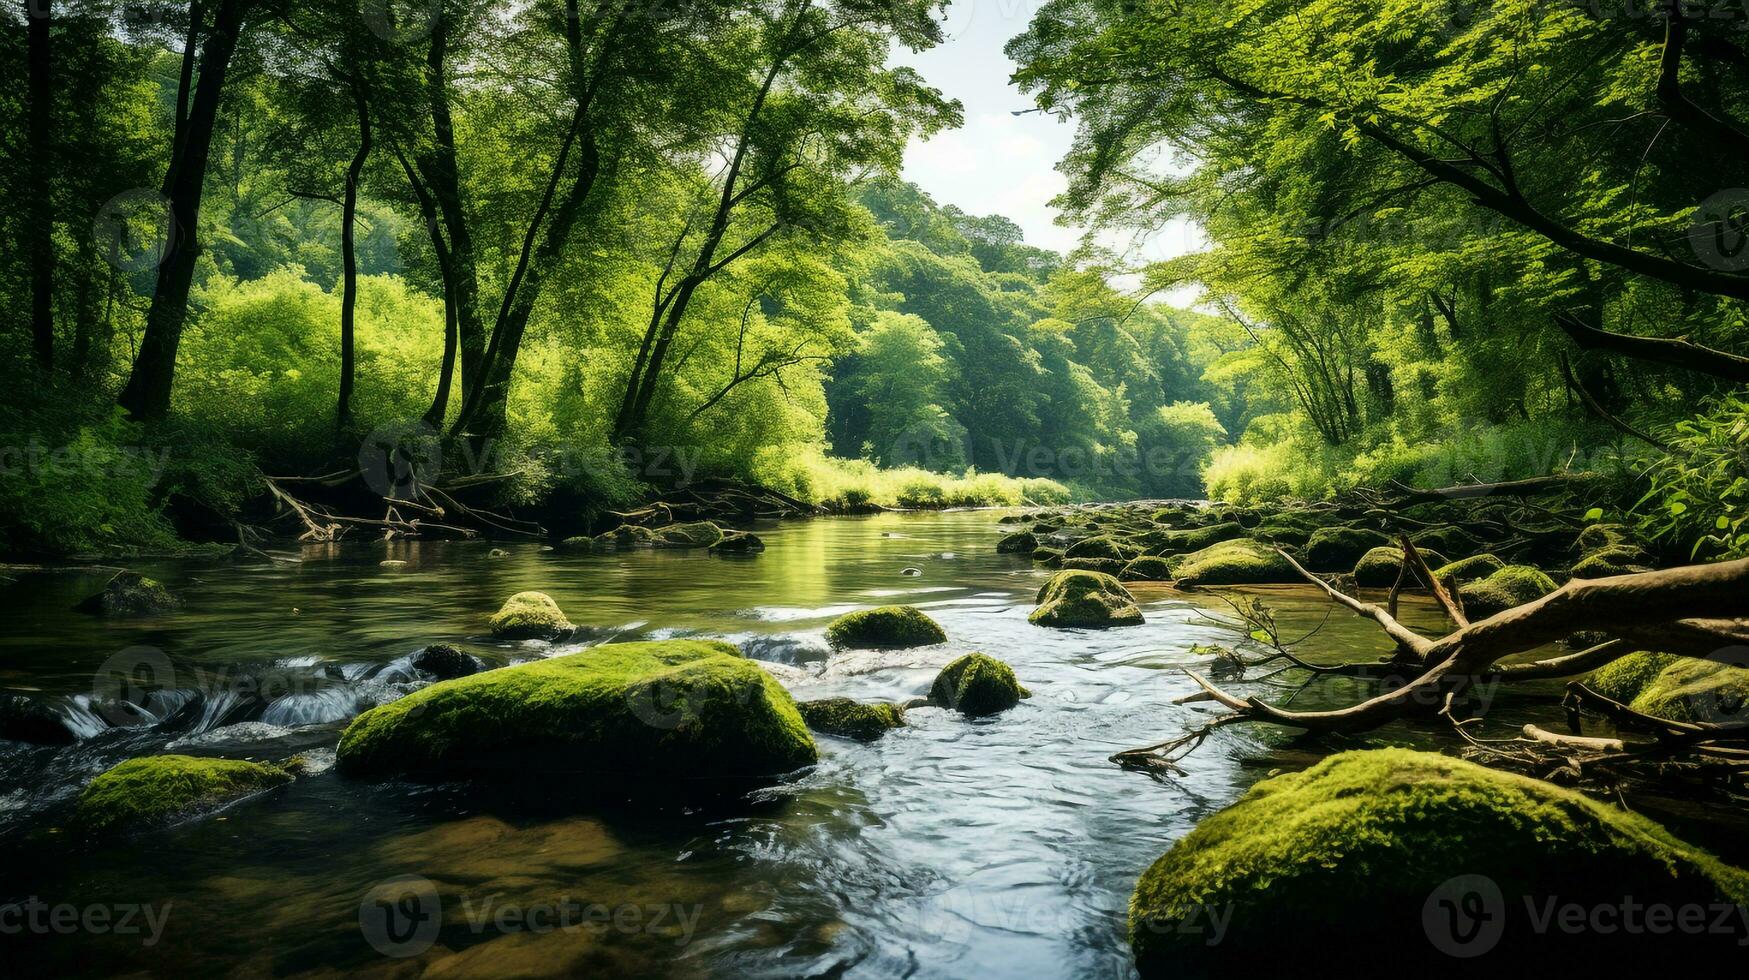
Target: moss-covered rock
{"x": 1511, "y": 586}
{"x": 1378, "y": 568}
{"x": 1102, "y": 546}
{"x": 1333, "y": 549}
{"x": 1468, "y": 569}
{"x": 1620, "y": 559}
{"x": 1049, "y": 557}
{"x": 1599, "y": 536}
{"x": 631, "y": 711}
{"x": 1238, "y": 562}
{"x": 1105, "y": 566}
{"x": 1678, "y": 688}
{"x": 153, "y": 791}
{"x": 1085, "y": 599}
{"x": 884, "y": 628}
{"x": 1447, "y": 539}
{"x": 624, "y": 536}
{"x": 1146, "y": 569}
{"x": 1623, "y": 680}
{"x": 130, "y": 594}
{"x": 1350, "y": 858}
{"x": 739, "y": 543}
{"x": 695, "y": 534}
{"x": 977, "y": 684}
{"x": 445, "y": 662}
{"x": 1018, "y": 543}
{"x": 1165, "y": 544}
{"x": 852, "y": 719}
{"x": 1282, "y": 533}
{"x": 529, "y": 616}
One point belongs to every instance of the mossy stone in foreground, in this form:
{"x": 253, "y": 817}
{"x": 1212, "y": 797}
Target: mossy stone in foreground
{"x": 1511, "y": 586}
{"x": 977, "y": 684}
{"x": 697, "y": 534}
{"x": 153, "y": 791}
{"x": 1347, "y": 863}
{"x": 636, "y": 711}
{"x": 1679, "y": 688}
{"x": 1336, "y": 549}
{"x": 1379, "y": 567}
{"x": 852, "y": 719}
{"x": 1085, "y": 599}
{"x": 884, "y": 628}
{"x": 529, "y": 616}
{"x": 1240, "y": 562}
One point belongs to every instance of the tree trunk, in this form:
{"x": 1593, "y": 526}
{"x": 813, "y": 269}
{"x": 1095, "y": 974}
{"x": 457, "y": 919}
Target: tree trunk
{"x": 41, "y": 229}
{"x": 441, "y": 171}
{"x": 147, "y": 394}
{"x": 349, "y": 261}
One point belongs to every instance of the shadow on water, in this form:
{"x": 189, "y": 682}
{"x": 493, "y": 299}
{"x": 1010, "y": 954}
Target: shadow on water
{"x": 1004, "y": 846}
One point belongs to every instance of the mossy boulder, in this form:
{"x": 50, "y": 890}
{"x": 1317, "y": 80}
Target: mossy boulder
{"x": 1085, "y": 599}
{"x": 154, "y": 791}
{"x": 1378, "y": 568}
{"x": 739, "y": 543}
{"x": 1018, "y": 543}
{"x": 1511, "y": 586}
{"x": 628, "y": 711}
{"x": 1147, "y": 569}
{"x": 1468, "y": 569}
{"x": 1165, "y": 544}
{"x": 130, "y": 594}
{"x": 445, "y": 662}
{"x": 1678, "y": 688}
{"x": 1107, "y": 566}
{"x": 1620, "y": 559}
{"x": 884, "y": 628}
{"x": 695, "y": 534}
{"x": 529, "y": 616}
{"x": 1351, "y": 859}
{"x": 624, "y": 536}
{"x": 1048, "y": 557}
{"x": 1448, "y": 539}
{"x": 1336, "y": 549}
{"x": 977, "y": 684}
{"x": 1281, "y": 533}
{"x": 852, "y": 719}
{"x": 1238, "y": 562}
{"x": 1102, "y": 546}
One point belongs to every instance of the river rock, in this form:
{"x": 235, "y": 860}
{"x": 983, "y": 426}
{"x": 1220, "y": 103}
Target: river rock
{"x": 1511, "y": 586}
{"x": 1236, "y": 562}
{"x": 130, "y": 594}
{"x": 1018, "y": 543}
{"x": 977, "y": 684}
{"x": 1365, "y": 856}
{"x": 445, "y": 662}
{"x": 631, "y": 711}
{"x": 24, "y": 719}
{"x": 624, "y": 536}
{"x": 1685, "y": 689}
{"x": 1469, "y": 569}
{"x": 852, "y": 719}
{"x": 884, "y": 628}
{"x": 695, "y": 534}
{"x": 1336, "y": 549}
{"x": 1085, "y": 599}
{"x": 530, "y": 616}
{"x": 154, "y": 791}
{"x": 739, "y": 543}
{"x": 1379, "y": 567}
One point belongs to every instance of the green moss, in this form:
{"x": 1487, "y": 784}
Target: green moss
{"x": 1617, "y": 560}
{"x": 529, "y": 616}
{"x": 1085, "y": 599}
{"x": 130, "y": 594}
{"x": 1449, "y": 539}
{"x": 1348, "y": 855}
{"x": 1240, "y": 562}
{"x": 638, "y": 711}
{"x": 1332, "y": 549}
{"x": 1018, "y": 543}
{"x": 1468, "y": 569}
{"x": 1049, "y": 557}
{"x": 1102, "y": 546}
{"x": 1678, "y": 688}
{"x": 1599, "y": 536}
{"x": 624, "y": 536}
{"x": 852, "y": 719}
{"x": 1164, "y": 544}
{"x": 1378, "y": 568}
{"x": 884, "y": 628}
{"x": 977, "y": 684}
{"x": 1623, "y": 680}
{"x": 1106, "y": 566}
{"x": 1147, "y": 569}
{"x": 1511, "y": 586}
{"x": 739, "y": 543}
{"x": 153, "y": 791}
{"x": 1277, "y": 532}
{"x": 697, "y": 534}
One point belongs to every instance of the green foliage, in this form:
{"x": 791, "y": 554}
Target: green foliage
{"x": 1699, "y": 496}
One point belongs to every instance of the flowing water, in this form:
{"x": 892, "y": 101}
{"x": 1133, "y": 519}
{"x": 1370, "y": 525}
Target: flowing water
{"x": 1004, "y": 846}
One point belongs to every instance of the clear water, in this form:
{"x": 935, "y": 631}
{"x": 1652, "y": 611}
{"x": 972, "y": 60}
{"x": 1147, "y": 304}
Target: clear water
{"x": 1000, "y": 847}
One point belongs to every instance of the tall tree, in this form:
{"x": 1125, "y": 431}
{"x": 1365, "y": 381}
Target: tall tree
{"x": 38, "y": 15}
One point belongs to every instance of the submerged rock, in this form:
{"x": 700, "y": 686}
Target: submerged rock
{"x": 130, "y": 594}
{"x": 1352, "y": 858}
{"x": 1237, "y": 562}
{"x": 636, "y": 711}
{"x": 739, "y": 543}
{"x": 1334, "y": 549}
{"x": 884, "y": 628}
{"x": 530, "y": 616}
{"x": 852, "y": 719}
{"x": 697, "y": 534}
{"x": 154, "y": 791}
{"x": 1018, "y": 543}
{"x": 1511, "y": 586}
{"x": 445, "y": 662}
{"x": 977, "y": 684}
{"x": 1085, "y": 599}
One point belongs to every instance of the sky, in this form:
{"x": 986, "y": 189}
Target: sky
{"x": 1000, "y": 163}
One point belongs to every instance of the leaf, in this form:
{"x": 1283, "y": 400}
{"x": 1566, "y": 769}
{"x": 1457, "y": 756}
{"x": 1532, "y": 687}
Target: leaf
{"x": 1677, "y": 507}
{"x": 1594, "y": 513}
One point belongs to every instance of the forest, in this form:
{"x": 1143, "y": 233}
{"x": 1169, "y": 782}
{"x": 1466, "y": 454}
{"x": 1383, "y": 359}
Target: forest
{"x": 1364, "y": 580}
